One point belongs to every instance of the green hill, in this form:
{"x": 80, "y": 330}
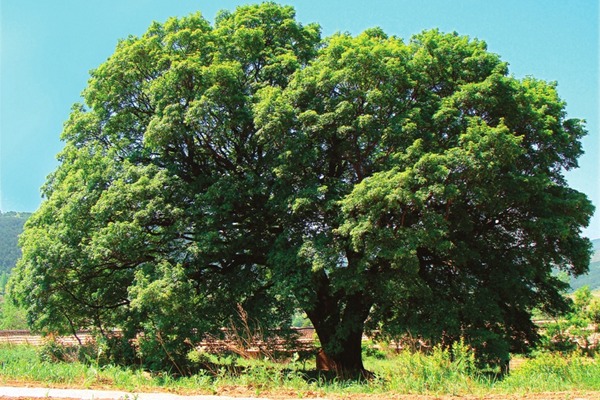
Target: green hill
{"x": 592, "y": 278}
{"x": 596, "y": 244}
{"x": 11, "y": 226}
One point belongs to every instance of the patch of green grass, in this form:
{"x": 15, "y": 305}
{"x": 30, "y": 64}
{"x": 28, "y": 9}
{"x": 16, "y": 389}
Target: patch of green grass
{"x": 549, "y": 372}
{"x": 23, "y": 363}
{"x": 411, "y": 373}
{"x": 436, "y": 373}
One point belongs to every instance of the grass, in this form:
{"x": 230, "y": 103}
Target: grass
{"x": 553, "y": 372}
{"x": 406, "y": 373}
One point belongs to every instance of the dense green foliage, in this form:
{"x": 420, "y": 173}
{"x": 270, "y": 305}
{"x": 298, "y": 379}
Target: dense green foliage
{"x": 3, "y": 282}
{"x": 11, "y": 226}
{"x": 372, "y": 183}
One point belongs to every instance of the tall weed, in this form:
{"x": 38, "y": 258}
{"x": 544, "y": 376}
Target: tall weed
{"x": 555, "y": 372}
{"x": 450, "y": 371}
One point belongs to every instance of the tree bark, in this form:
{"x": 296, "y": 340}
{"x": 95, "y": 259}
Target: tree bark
{"x": 339, "y": 323}
{"x": 344, "y": 356}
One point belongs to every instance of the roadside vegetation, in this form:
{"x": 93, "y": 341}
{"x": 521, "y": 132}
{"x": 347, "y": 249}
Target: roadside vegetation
{"x": 447, "y": 372}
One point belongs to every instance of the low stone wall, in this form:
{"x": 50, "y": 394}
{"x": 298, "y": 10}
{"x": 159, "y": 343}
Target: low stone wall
{"x": 305, "y": 339}
{"x": 26, "y": 337}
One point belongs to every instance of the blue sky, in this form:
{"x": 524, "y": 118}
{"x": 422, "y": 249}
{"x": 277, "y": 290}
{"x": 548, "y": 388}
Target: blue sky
{"x": 48, "y": 47}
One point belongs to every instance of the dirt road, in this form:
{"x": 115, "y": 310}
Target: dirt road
{"x": 27, "y": 393}
{"x": 11, "y": 392}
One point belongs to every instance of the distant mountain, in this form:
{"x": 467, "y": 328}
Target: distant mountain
{"x": 592, "y": 278}
{"x": 596, "y": 244}
{"x": 11, "y": 226}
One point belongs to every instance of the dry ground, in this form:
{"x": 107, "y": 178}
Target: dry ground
{"x": 244, "y": 392}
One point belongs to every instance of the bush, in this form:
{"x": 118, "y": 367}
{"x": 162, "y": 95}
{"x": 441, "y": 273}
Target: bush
{"x": 55, "y": 352}
{"x": 11, "y": 317}
{"x": 578, "y": 329}
{"x": 370, "y": 349}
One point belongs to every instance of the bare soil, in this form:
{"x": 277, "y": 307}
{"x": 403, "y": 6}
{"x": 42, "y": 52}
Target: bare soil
{"x": 246, "y": 392}
{"x": 538, "y": 396}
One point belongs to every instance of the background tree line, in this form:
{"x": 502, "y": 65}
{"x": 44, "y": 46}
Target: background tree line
{"x": 11, "y": 226}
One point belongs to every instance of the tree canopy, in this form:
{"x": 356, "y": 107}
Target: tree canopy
{"x": 375, "y": 184}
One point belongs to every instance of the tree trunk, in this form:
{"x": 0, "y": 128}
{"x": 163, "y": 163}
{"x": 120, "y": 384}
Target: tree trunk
{"x": 344, "y": 356}
{"x": 339, "y": 323}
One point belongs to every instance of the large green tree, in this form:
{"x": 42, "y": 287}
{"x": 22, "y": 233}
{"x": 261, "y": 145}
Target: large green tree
{"x": 373, "y": 183}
